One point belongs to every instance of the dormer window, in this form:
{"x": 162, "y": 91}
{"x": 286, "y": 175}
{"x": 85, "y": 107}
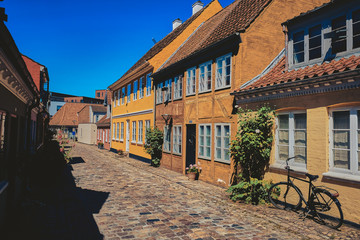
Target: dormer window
{"x": 338, "y": 42}
{"x": 356, "y": 28}
{"x": 299, "y": 47}
{"x": 315, "y": 42}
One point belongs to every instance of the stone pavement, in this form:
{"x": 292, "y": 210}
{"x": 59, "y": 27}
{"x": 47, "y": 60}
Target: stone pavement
{"x": 131, "y": 200}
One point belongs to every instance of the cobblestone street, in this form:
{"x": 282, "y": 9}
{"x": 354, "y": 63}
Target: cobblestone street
{"x": 142, "y": 202}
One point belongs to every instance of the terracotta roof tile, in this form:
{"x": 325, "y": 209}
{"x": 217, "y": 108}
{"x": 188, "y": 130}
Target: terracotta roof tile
{"x": 234, "y": 18}
{"x": 277, "y": 76}
{"x": 104, "y": 122}
{"x": 67, "y": 115}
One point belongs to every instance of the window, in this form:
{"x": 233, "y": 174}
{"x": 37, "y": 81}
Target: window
{"x": 135, "y": 89}
{"x": 109, "y": 135}
{"x": 356, "y": 28}
{"x": 205, "y": 77}
{"x": 58, "y": 107}
{"x": 159, "y": 93}
{"x": 177, "y": 137}
{"x": 168, "y": 85}
{"x": 98, "y": 134}
{"x": 315, "y": 42}
{"x": 167, "y": 138}
{"x": 114, "y": 130}
{"x": 106, "y": 137}
{"x": 223, "y": 71}
{"x": 140, "y": 138}
{"x": 178, "y": 87}
{"x": 291, "y": 138}
{"x": 128, "y": 92}
{"x": 222, "y": 142}
{"x": 141, "y": 88}
{"x": 345, "y": 141}
{"x": 134, "y": 131}
{"x": 298, "y": 47}
{"x": 205, "y": 141}
{"x": 191, "y": 81}
{"x": 117, "y": 131}
{"x": 122, "y": 132}
{"x": 147, "y": 126}
{"x": 338, "y": 42}
{"x": 148, "y": 85}
{"x": 123, "y": 95}
{"x": 118, "y": 98}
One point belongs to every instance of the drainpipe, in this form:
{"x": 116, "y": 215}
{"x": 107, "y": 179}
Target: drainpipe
{"x": 285, "y": 30}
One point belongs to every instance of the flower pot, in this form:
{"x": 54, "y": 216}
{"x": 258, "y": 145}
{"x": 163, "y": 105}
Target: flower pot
{"x": 191, "y": 176}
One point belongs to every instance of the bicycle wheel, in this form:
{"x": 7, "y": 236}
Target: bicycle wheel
{"x": 283, "y": 195}
{"x": 327, "y": 208}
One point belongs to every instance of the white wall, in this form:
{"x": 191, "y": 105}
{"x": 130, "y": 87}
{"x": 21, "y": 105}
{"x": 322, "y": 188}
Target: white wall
{"x": 87, "y": 133}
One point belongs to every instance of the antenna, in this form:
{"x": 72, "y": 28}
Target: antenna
{"x": 154, "y": 41}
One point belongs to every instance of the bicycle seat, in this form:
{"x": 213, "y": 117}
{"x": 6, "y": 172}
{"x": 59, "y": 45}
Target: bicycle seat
{"x": 312, "y": 177}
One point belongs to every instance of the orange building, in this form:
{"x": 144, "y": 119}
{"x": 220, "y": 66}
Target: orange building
{"x": 193, "y": 101}
{"x": 133, "y": 96}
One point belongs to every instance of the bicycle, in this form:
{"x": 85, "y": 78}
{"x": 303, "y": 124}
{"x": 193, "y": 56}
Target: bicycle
{"x": 322, "y": 202}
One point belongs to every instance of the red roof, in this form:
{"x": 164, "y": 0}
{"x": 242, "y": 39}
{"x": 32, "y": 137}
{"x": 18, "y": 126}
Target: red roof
{"x": 34, "y": 70}
{"x": 278, "y": 75}
{"x": 234, "y": 18}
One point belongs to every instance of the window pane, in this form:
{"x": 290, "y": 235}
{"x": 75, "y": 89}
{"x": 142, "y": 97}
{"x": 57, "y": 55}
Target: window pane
{"x": 283, "y": 121}
{"x": 298, "y": 47}
{"x": 283, "y": 153}
{"x": 208, "y": 130}
{"x": 208, "y": 152}
{"x": 201, "y": 151}
{"x": 284, "y": 137}
{"x": 300, "y": 138}
{"x": 201, "y": 140}
{"x": 315, "y": 42}
{"x": 218, "y": 141}
{"x": 356, "y": 29}
{"x": 341, "y": 120}
{"x": 300, "y": 121}
{"x": 339, "y": 38}
{"x": 342, "y": 139}
{"x": 218, "y": 130}
{"x": 201, "y": 130}
{"x": 341, "y": 159}
{"x": 218, "y": 153}
{"x": 300, "y": 155}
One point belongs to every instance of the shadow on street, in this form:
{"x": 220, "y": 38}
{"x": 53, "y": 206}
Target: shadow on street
{"x": 55, "y": 209}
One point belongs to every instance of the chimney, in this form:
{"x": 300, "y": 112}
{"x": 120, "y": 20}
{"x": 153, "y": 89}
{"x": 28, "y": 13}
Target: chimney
{"x": 197, "y": 7}
{"x": 176, "y": 23}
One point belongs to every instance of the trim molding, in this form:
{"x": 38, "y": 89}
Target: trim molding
{"x": 133, "y": 114}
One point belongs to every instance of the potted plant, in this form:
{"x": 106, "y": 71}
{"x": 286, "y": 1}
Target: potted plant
{"x": 100, "y": 145}
{"x": 120, "y": 153}
{"x": 193, "y": 171}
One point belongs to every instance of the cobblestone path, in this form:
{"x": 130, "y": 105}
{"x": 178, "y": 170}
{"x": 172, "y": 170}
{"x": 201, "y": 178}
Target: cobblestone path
{"x": 132, "y": 200}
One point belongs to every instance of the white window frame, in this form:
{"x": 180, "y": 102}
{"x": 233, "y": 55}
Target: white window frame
{"x": 222, "y": 142}
{"x": 178, "y": 87}
{"x": 122, "y": 131}
{"x": 141, "y": 88}
{"x": 147, "y": 125}
{"x": 133, "y": 137}
{"x": 114, "y": 98}
{"x": 177, "y": 139}
{"x": 168, "y": 92}
{"x": 118, "y": 98}
{"x": 167, "y": 143}
{"x": 114, "y": 127}
{"x": 106, "y": 135}
{"x": 148, "y": 85}
{"x": 204, "y": 79}
{"x": 279, "y": 163}
{"x": 205, "y": 145}
{"x": 117, "y": 131}
{"x": 220, "y": 81}
{"x": 353, "y": 171}
{"x": 128, "y": 93}
{"x": 140, "y": 132}
{"x": 135, "y": 89}
{"x": 123, "y": 89}
{"x": 159, "y": 93}
{"x": 191, "y": 81}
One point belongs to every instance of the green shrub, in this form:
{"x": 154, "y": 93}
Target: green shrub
{"x": 153, "y": 145}
{"x": 254, "y": 191}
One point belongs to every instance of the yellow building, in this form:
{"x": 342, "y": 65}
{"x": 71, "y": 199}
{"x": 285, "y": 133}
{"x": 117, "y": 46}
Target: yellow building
{"x": 133, "y": 96}
{"x": 315, "y": 88}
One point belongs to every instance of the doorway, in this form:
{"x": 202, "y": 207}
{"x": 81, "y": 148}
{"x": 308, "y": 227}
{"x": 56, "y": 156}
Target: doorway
{"x": 190, "y": 144}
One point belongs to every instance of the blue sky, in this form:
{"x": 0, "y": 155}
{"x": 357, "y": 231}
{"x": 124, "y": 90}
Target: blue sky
{"x": 86, "y": 44}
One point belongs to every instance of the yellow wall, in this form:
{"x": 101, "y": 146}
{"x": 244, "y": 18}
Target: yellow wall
{"x": 134, "y": 148}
